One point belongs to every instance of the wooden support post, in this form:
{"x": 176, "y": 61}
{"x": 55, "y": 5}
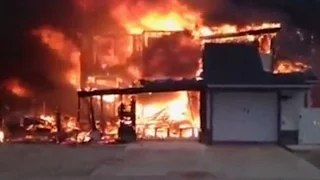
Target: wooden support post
{"x": 273, "y": 54}
{"x": 1, "y": 118}
{"x": 79, "y": 109}
{"x": 156, "y": 132}
{"x": 203, "y": 133}
{"x": 143, "y": 132}
{"x": 91, "y": 115}
{"x": 59, "y": 137}
{"x": 190, "y": 104}
{"x": 133, "y": 111}
{"x": 102, "y": 120}
{"x": 44, "y": 108}
{"x": 58, "y": 120}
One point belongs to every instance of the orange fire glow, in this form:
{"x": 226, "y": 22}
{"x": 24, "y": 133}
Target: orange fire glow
{"x": 15, "y": 87}
{"x": 1, "y": 136}
{"x": 65, "y": 48}
{"x": 169, "y": 16}
{"x": 172, "y": 16}
{"x": 286, "y": 66}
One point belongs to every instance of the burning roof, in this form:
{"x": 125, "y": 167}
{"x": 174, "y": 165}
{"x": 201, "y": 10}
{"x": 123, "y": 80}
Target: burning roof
{"x": 235, "y": 63}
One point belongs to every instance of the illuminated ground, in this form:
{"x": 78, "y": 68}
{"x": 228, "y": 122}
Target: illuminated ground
{"x": 151, "y": 160}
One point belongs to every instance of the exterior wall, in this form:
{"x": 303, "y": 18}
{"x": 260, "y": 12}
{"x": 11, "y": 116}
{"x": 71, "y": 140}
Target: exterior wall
{"x": 315, "y": 96}
{"x": 291, "y": 104}
{"x": 309, "y": 125}
{"x": 292, "y": 101}
{"x": 205, "y": 116}
{"x": 309, "y": 99}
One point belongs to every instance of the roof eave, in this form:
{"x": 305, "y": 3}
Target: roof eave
{"x": 262, "y": 86}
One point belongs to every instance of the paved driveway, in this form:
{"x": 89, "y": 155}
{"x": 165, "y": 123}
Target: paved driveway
{"x": 151, "y": 160}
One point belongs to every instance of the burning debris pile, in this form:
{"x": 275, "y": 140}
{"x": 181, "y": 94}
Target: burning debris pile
{"x": 162, "y": 41}
{"x": 41, "y": 128}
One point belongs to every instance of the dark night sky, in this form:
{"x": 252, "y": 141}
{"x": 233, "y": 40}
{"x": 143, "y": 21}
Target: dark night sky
{"x": 20, "y": 48}
{"x": 23, "y": 55}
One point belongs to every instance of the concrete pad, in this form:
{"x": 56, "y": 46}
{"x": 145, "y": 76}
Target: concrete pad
{"x": 151, "y": 160}
{"x": 304, "y": 147}
{"x": 257, "y": 162}
{"x": 180, "y": 159}
{"x": 311, "y": 156}
{"x": 159, "y": 158}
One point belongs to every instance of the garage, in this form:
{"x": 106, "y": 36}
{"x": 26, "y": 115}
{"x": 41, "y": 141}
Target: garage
{"x": 244, "y": 117}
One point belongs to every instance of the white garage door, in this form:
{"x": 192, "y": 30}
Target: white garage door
{"x": 246, "y": 117}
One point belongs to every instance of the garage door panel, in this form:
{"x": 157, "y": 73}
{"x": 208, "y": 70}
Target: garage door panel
{"x": 245, "y": 117}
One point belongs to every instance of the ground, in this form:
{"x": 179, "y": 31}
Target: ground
{"x": 151, "y": 160}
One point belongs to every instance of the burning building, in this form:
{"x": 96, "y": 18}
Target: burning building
{"x": 233, "y": 70}
{"x": 162, "y": 80}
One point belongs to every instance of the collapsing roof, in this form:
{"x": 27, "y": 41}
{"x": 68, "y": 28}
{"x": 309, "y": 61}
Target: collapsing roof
{"x": 151, "y": 86}
{"x": 224, "y": 65}
{"x": 240, "y": 64}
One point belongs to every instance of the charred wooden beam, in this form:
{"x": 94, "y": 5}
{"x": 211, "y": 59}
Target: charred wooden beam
{"x": 133, "y": 111}
{"x": 61, "y": 135}
{"x": 244, "y": 33}
{"x": 92, "y": 118}
{"x": 79, "y": 110}
{"x": 58, "y": 121}
{"x": 27, "y": 121}
{"x": 102, "y": 120}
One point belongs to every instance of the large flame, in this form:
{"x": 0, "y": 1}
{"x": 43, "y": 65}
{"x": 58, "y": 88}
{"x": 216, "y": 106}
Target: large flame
{"x": 171, "y": 54}
{"x": 139, "y": 17}
{"x": 172, "y": 16}
{"x": 173, "y": 117}
{"x": 166, "y": 16}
